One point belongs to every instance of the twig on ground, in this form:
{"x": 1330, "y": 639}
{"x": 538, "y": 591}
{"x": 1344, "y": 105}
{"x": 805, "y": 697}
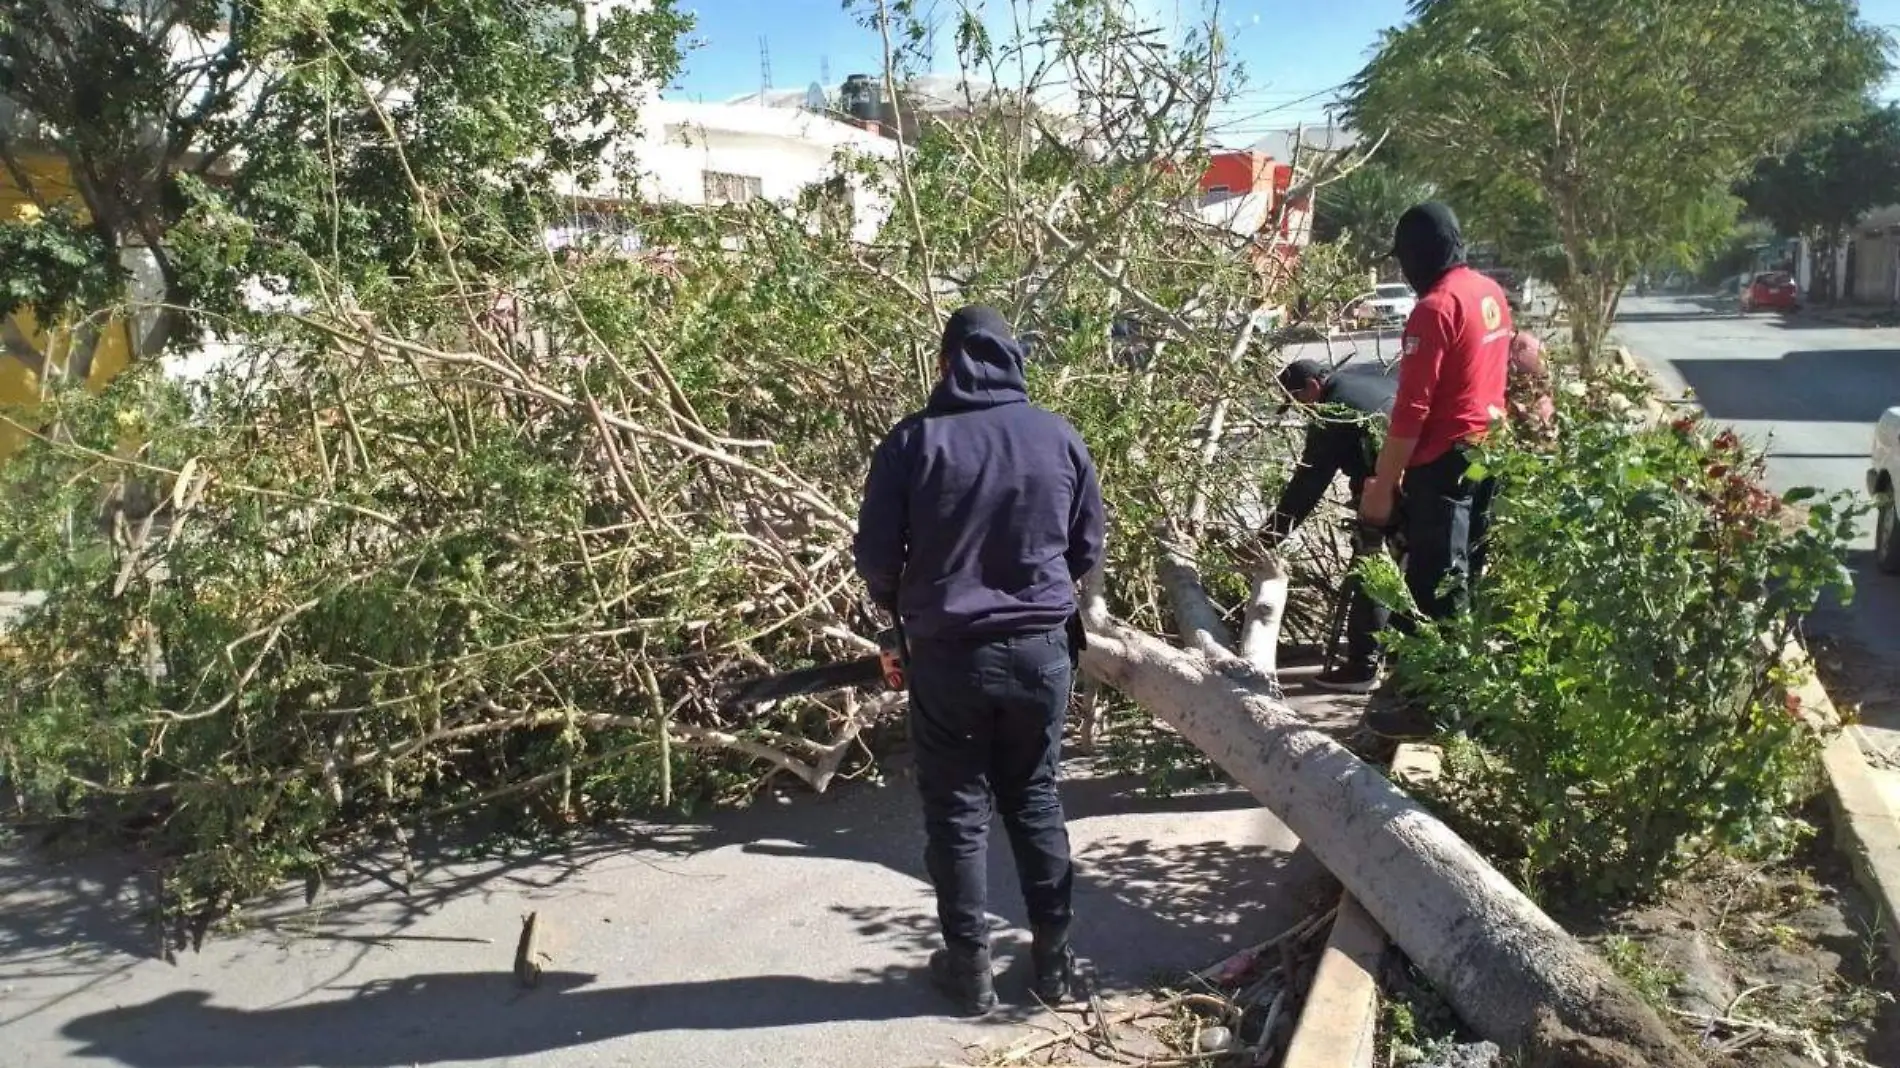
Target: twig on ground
{"x": 1238, "y": 964}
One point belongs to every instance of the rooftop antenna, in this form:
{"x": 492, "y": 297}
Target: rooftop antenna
{"x": 931, "y": 21}
{"x": 765, "y": 68}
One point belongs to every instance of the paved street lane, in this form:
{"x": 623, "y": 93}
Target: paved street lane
{"x": 1809, "y": 391}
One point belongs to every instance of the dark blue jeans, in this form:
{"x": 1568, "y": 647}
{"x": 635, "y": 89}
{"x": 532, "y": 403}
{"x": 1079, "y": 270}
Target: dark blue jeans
{"x": 986, "y": 720}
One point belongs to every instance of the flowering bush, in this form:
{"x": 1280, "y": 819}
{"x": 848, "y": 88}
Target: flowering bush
{"x": 1616, "y": 688}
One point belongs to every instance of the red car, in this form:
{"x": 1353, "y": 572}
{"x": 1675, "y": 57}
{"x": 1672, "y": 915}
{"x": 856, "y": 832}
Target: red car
{"x": 1771, "y": 289}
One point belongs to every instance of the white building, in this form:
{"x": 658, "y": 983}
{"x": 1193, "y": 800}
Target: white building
{"x": 712, "y": 154}
{"x": 1872, "y": 275}
{"x": 1866, "y": 264}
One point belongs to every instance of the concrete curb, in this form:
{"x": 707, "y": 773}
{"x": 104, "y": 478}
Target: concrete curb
{"x": 1339, "y": 1024}
{"x": 1866, "y": 824}
{"x": 1867, "y": 830}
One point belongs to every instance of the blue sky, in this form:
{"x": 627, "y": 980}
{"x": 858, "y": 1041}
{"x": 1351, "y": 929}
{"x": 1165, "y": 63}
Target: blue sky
{"x": 1292, "y": 55}
{"x": 1294, "y": 51}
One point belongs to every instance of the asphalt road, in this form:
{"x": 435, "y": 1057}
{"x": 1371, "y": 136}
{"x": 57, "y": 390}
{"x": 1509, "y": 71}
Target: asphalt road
{"x": 1809, "y": 391}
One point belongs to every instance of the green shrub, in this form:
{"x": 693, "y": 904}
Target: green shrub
{"x": 1620, "y": 710}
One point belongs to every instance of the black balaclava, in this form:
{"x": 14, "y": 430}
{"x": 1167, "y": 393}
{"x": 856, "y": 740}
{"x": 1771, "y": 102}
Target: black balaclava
{"x": 1427, "y": 244}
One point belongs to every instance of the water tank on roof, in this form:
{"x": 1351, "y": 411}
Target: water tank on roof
{"x": 861, "y": 97}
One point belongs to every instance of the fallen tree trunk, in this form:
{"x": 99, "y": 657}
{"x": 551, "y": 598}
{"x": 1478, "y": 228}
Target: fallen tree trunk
{"x": 1510, "y": 972}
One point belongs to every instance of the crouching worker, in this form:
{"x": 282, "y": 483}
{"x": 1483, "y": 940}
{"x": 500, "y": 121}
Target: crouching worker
{"x": 981, "y": 515}
{"x": 1349, "y": 414}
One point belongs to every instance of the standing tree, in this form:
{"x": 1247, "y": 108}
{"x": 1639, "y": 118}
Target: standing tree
{"x": 1820, "y": 189}
{"x": 196, "y": 144}
{"x": 1621, "y": 117}
{"x": 1363, "y": 208}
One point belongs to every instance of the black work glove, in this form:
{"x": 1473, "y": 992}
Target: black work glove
{"x": 1078, "y": 636}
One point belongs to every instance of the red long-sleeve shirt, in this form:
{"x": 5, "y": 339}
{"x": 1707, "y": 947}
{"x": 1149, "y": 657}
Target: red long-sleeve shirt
{"x": 1456, "y": 348}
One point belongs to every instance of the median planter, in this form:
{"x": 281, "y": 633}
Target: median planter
{"x": 1510, "y": 971}
{"x": 1866, "y": 825}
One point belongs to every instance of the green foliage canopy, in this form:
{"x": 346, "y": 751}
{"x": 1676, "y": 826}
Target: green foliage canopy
{"x": 1831, "y": 178}
{"x": 1613, "y": 120}
{"x": 285, "y": 139}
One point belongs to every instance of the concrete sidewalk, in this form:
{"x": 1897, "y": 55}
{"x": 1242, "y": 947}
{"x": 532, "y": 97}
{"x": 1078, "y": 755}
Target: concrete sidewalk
{"x": 1848, "y": 315}
{"x": 788, "y": 935}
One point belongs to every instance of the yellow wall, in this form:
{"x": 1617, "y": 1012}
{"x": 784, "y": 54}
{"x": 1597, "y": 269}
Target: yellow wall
{"x": 18, "y": 384}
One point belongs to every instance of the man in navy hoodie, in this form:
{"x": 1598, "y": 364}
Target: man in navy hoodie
{"x": 981, "y": 515}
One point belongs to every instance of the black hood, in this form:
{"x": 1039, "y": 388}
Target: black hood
{"x": 984, "y": 362}
{"x": 1428, "y": 244}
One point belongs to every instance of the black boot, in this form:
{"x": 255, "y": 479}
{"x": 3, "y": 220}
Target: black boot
{"x": 1054, "y": 963}
{"x": 962, "y": 973}
{"x": 1362, "y": 677}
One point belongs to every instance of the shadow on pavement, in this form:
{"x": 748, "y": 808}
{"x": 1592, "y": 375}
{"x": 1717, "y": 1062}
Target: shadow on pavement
{"x": 1143, "y": 905}
{"x": 1870, "y": 623}
{"x": 1820, "y": 386}
{"x": 71, "y": 912}
{"x": 1162, "y": 886}
{"x": 434, "y": 1018}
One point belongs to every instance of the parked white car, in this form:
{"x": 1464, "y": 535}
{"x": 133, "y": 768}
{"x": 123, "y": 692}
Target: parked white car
{"x": 1883, "y": 475}
{"x": 1387, "y": 305}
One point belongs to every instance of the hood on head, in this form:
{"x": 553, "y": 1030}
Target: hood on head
{"x": 983, "y": 362}
{"x": 1427, "y": 243}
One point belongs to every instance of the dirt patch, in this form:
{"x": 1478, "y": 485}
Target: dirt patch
{"x": 1766, "y": 964}
{"x": 1760, "y": 965}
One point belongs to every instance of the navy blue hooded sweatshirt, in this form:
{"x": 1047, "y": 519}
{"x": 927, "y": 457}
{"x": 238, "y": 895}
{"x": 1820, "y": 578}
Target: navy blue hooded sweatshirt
{"x": 981, "y": 512}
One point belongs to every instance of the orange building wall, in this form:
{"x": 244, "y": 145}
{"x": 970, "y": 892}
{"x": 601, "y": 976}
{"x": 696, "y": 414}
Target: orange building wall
{"x": 1240, "y": 172}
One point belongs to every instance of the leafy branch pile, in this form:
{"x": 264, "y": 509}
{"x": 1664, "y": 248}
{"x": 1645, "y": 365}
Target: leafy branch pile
{"x": 499, "y": 525}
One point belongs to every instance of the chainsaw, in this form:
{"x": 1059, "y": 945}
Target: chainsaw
{"x": 884, "y": 668}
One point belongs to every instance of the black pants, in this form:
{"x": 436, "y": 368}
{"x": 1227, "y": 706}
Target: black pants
{"x": 1446, "y": 516}
{"x": 986, "y": 727}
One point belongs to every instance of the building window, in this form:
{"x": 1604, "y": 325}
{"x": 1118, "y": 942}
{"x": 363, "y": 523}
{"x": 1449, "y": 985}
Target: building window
{"x": 722, "y": 188}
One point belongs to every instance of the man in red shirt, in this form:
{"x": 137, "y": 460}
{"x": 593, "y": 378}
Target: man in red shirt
{"x": 1452, "y": 372}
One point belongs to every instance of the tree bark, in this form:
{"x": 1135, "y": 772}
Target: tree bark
{"x": 1512, "y": 973}
{"x": 1591, "y": 300}
{"x": 1260, "y": 632}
